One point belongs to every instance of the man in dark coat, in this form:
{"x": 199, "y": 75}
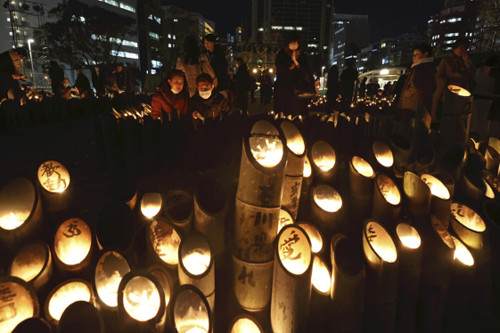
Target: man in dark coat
{"x": 207, "y": 103}
{"x": 347, "y": 83}
{"x": 10, "y": 71}
{"x": 420, "y": 84}
{"x": 217, "y": 57}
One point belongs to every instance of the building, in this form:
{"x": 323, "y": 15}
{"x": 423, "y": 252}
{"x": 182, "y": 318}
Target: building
{"x": 349, "y": 34}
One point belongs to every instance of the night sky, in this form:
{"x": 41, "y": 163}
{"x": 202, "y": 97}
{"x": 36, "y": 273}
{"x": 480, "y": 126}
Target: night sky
{"x": 388, "y": 18}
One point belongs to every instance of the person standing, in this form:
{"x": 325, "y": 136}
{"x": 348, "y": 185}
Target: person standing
{"x": 243, "y": 84}
{"x": 10, "y": 72}
{"x": 348, "y": 81}
{"x": 483, "y": 97}
{"x": 266, "y": 88}
{"x": 171, "y": 98}
{"x": 217, "y": 58}
{"x": 332, "y": 86}
{"x": 420, "y": 84}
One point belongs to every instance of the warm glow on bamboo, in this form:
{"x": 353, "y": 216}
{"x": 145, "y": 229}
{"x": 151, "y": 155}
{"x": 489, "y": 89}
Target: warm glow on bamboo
{"x": 165, "y": 241}
{"x": 294, "y": 250}
{"x": 141, "y": 298}
{"x": 388, "y": 189}
{"x": 53, "y": 176}
{"x": 314, "y": 236}
{"x": 196, "y": 261}
{"x": 73, "y": 241}
{"x": 285, "y": 219}
{"x": 467, "y": 217}
{"x": 489, "y": 191}
{"x": 191, "y": 313}
{"x": 245, "y": 325}
{"x": 151, "y": 204}
{"x": 265, "y": 144}
{"x": 323, "y": 156}
{"x": 327, "y": 198}
{"x": 307, "y": 168}
{"x": 438, "y": 189}
{"x": 459, "y": 90}
{"x": 294, "y": 140}
{"x": 381, "y": 242}
{"x": 362, "y": 167}
{"x": 16, "y": 202}
{"x": 16, "y": 305}
{"x": 383, "y": 154}
{"x": 321, "y": 277}
{"x": 110, "y": 270}
{"x": 13, "y": 220}
{"x": 462, "y": 253}
{"x": 408, "y": 235}
{"x": 66, "y": 295}
{"x": 29, "y": 262}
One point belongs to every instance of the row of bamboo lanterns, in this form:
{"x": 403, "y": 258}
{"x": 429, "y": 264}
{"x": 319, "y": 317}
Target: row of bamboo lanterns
{"x": 294, "y": 259}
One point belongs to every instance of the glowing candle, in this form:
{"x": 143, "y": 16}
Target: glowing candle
{"x": 67, "y": 294}
{"x": 151, "y": 204}
{"x": 408, "y": 235}
{"x": 327, "y": 198}
{"x": 53, "y": 176}
{"x": 16, "y": 304}
{"x": 110, "y": 270}
{"x": 265, "y": 144}
{"x": 437, "y": 188}
{"x": 294, "y": 250}
{"x": 314, "y": 236}
{"x": 321, "y": 277}
{"x": 30, "y": 261}
{"x": 165, "y": 241}
{"x": 17, "y": 199}
{"x": 323, "y": 156}
{"x": 462, "y": 253}
{"x": 72, "y": 241}
{"x": 307, "y": 168}
{"x": 383, "y": 154}
{"x": 191, "y": 311}
{"x": 294, "y": 140}
{"x": 381, "y": 242}
{"x": 389, "y": 190}
{"x": 459, "y": 90}
{"x": 362, "y": 167}
{"x": 467, "y": 217}
{"x": 141, "y": 298}
{"x": 245, "y": 325}
{"x": 196, "y": 261}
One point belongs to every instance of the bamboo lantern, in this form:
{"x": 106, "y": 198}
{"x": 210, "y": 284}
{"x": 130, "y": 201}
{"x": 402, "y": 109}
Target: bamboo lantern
{"x": 54, "y": 180}
{"x": 190, "y": 311}
{"x": 33, "y": 264}
{"x": 410, "y": 263}
{"x": 20, "y": 212}
{"x": 494, "y": 143}
{"x": 116, "y": 227}
{"x": 382, "y": 154}
{"x": 18, "y": 302}
{"x": 307, "y": 178}
{"x": 179, "y": 209}
{"x": 323, "y": 159}
{"x": 441, "y": 198}
{"x": 285, "y": 219}
{"x": 73, "y": 245}
{"x": 471, "y": 187}
{"x": 34, "y": 324}
{"x": 400, "y": 147}
{"x": 381, "y": 278}
{"x": 210, "y": 212}
{"x": 492, "y": 158}
{"x": 196, "y": 265}
{"x": 163, "y": 242}
{"x": 490, "y": 193}
{"x": 361, "y": 178}
{"x": 314, "y": 236}
{"x": 418, "y": 194}
{"x": 262, "y": 167}
{"x": 80, "y": 317}
{"x": 327, "y": 210}
{"x": 386, "y": 204}
{"x": 245, "y": 324}
{"x": 166, "y": 281}
{"x": 151, "y": 204}
{"x": 437, "y": 265}
{"x": 294, "y": 170}
{"x": 321, "y": 281}
{"x": 65, "y": 294}
{"x": 348, "y": 284}
{"x": 141, "y": 302}
{"x": 291, "y": 280}
{"x": 110, "y": 269}
{"x": 468, "y": 225}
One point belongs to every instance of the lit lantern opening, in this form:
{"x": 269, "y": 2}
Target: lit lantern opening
{"x": 408, "y": 236}
{"x": 321, "y": 277}
{"x": 191, "y": 311}
{"x": 323, "y": 156}
{"x": 165, "y": 241}
{"x": 459, "y": 90}
{"x": 65, "y": 295}
{"x": 73, "y": 241}
{"x": 151, "y": 204}
{"x": 383, "y": 154}
{"x": 327, "y": 198}
{"x": 442, "y": 232}
{"x": 389, "y": 189}
{"x": 285, "y": 219}
{"x": 307, "y": 168}
{"x": 489, "y": 191}
{"x": 294, "y": 140}
{"x": 245, "y": 325}
{"x": 16, "y": 304}
{"x": 30, "y": 261}
{"x": 381, "y": 242}
{"x": 462, "y": 253}
{"x": 467, "y": 217}
{"x": 17, "y": 199}
{"x": 438, "y": 189}
{"x": 141, "y": 298}
{"x": 195, "y": 255}
{"x": 362, "y": 167}
{"x": 165, "y": 281}
{"x": 314, "y": 236}
{"x": 265, "y": 144}
{"x": 294, "y": 250}
{"x": 110, "y": 270}
{"x": 53, "y": 176}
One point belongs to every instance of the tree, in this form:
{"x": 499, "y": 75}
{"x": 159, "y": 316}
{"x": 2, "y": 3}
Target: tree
{"x": 489, "y": 21}
{"x": 85, "y": 35}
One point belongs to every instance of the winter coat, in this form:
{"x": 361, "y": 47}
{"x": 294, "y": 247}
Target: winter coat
{"x": 219, "y": 64}
{"x": 419, "y": 86}
{"x": 164, "y": 100}
{"x": 212, "y": 107}
{"x": 193, "y": 70}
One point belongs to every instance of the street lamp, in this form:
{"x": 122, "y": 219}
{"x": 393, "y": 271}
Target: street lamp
{"x": 31, "y": 60}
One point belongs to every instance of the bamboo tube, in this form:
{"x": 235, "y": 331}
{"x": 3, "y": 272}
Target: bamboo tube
{"x": 151, "y": 204}
{"x": 291, "y": 280}
{"x": 106, "y": 284}
{"x": 386, "y": 200}
{"x": 167, "y": 282}
{"x": 34, "y": 324}
{"x": 18, "y": 302}
{"x": 320, "y": 307}
{"x": 491, "y": 214}
{"x": 468, "y": 225}
{"x": 33, "y": 264}
{"x": 179, "y": 209}
{"x": 245, "y": 324}
{"x": 381, "y": 278}
{"x": 323, "y": 160}
{"x": 190, "y": 311}
{"x": 440, "y": 199}
{"x": 315, "y": 236}
{"x": 284, "y": 219}
{"x": 492, "y": 158}
{"x": 162, "y": 242}
{"x": 53, "y": 182}
{"x": 81, "y": 317}
{"x": 400, "y": 147}
{"x": 348, "y": 284}
{"x": 418, "y": 194}
{"x": 361, "y": 178}
{"x": 327, "y": 210}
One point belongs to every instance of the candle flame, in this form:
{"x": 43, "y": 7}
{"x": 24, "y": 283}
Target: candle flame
{"x": 13, "y": 220}
{"x": 327, "y": 198}
{"x": 408, "y": 235}
{"x": 196, "y": 262}
{"x": 383, "y": 154}
{"x": 323, "y": 156}
{"x": 438, "y": 189}
{"x": 321, "y": 277}
{"x": 462, "y": 253}
{"x": 267, "y": 151}
{"x": 141, "y": 298}
{"x": 362, "y": 167}
{"x": 151, "y": 204}
{"x": 307, "y": 168}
